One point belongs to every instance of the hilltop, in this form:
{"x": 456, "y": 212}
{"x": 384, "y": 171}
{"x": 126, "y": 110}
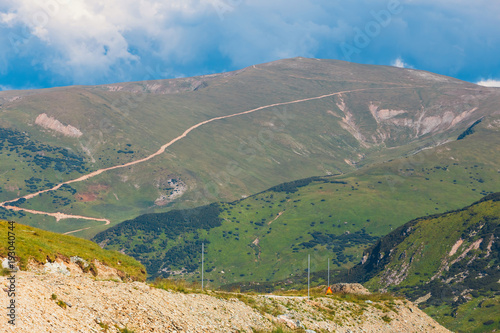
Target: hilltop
{"x": 250, "y": 129}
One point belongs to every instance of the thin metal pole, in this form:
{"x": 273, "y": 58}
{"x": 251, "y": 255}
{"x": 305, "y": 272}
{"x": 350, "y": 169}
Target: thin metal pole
{"x": 308, "y": 273}
{"x": 202, "y": 259}
{"x": 328, "y": 272}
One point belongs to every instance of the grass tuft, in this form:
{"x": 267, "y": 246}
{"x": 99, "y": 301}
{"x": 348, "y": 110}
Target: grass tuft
{"x": 177, "y": 285}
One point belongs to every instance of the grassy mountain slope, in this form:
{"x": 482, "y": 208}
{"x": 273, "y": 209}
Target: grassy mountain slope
{"x": 389, "y": 113}
{"x": 32, "y": 244}
{"x": 267, "y": 236}
{"x": 449, "y": 263}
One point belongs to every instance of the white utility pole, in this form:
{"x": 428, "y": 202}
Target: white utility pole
{"x": 202, "y": 259}
{"x": 308, "y": 273}
{"x": 328, "y": 272}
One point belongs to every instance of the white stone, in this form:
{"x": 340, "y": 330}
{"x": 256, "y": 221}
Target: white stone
{"x": 56, "y": 267}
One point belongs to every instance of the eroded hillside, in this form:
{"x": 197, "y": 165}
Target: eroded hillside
{"x": 308, "y": 117}
{"x": 449, "y": 264}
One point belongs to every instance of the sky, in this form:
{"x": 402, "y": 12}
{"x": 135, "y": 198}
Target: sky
{"x": 47, "y": 43}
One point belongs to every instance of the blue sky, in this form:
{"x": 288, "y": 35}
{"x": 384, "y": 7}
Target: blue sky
{"x": 46, "y": 43}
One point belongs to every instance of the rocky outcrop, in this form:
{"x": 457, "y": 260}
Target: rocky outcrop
{"x": 53, "y": 124}
{"x": 59, "y": 303}
{"x": 51, "y": 300}
{"x": 349, "y": 288}
{"x": 76, "y": 266}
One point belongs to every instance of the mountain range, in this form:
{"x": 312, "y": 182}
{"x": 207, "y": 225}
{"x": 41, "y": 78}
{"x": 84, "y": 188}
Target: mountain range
{"x": 266, "y": 166}
{"x": 246, "y": 131}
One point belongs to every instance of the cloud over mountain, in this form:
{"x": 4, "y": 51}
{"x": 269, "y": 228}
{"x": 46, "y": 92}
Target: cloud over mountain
{"x": 489, "y": 83}
{"x": 58, "y": 42}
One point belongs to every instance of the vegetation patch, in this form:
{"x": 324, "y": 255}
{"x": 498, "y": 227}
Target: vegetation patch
{"x": 457, "y": 267}
{"x": 40, "y": 246}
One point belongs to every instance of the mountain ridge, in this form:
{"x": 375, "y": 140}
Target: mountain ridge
{"x": 338, "y": 134}
{"x": 447, "y": 276}
{"x": 341, "y": 155}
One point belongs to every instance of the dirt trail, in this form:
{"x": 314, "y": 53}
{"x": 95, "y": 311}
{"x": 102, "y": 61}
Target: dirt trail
{"x": 162, "y": 149}
{"x": 73, "y": 231}
{"x": 279, "y": 214}
{"x": 58, "y": 215}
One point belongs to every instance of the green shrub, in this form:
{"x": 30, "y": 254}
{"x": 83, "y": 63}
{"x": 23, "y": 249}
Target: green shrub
{"x": 62, "y": 304}
{"x": 178, "y": 285}
{"x": 93, "y": 269}
{"x": 103, "y": 325}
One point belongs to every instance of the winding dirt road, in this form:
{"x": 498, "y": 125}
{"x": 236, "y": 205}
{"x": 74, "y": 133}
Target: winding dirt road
{"x": 160, "y": 151}
{"x": 58, "y": 216}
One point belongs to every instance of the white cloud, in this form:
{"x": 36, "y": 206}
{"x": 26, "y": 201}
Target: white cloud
{"x": 489, "y": 83}
{"x": 59, "y": 42}
{"x": 90, "y": 41}
{"x": 86, "y": 37}
{"x": 7, "y": 18}
{"x": 398, "y": 62}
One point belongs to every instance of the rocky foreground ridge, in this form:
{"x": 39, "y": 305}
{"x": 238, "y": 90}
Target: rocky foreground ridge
{"x": 53, "y": 299}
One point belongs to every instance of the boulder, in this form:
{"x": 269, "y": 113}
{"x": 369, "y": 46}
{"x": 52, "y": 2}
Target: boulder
{"x": 349, "y": 288}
